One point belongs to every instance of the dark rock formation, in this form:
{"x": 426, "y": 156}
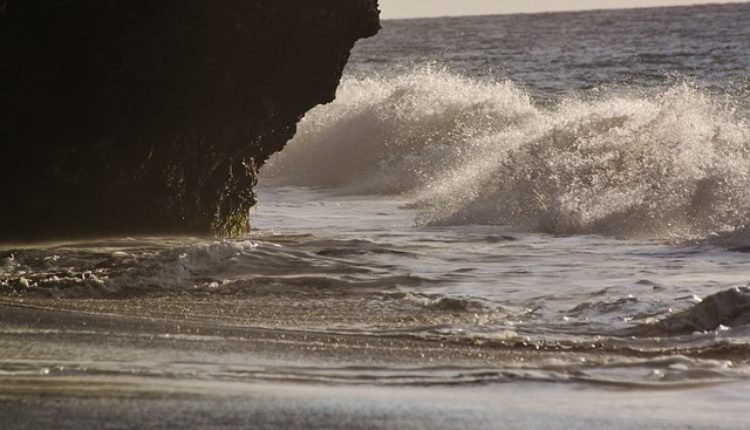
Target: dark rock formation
{"x": 129, "y": 116}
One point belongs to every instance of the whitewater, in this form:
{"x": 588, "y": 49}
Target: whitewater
{"x": 520, "y": 220}
{"x": 674, "y": 164}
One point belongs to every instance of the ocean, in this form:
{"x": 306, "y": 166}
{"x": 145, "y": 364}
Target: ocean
{"x": 521, "y": 221}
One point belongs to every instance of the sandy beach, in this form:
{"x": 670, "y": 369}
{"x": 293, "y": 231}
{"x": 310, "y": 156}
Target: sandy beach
{"x": 82, "y": 368}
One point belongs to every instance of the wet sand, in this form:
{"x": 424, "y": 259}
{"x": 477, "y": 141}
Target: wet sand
{"x": 88, "y": 364}
{"x": 200, "y": 404}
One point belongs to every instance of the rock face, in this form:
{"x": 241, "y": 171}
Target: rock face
{"x": 122, "y": 116}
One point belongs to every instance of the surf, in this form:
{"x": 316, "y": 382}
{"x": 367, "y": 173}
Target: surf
{"x": 669, "y": 163}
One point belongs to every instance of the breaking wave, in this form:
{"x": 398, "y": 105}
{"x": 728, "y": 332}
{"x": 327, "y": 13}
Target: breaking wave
{"x": 671, "y": 164}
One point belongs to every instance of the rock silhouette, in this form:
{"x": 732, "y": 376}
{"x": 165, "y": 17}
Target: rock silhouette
{"x": 121, "y": 116}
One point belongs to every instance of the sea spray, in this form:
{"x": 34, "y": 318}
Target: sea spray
{"x": 670, "y": 164}
{"x": 393, "y": 134}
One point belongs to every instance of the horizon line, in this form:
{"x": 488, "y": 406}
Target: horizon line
{"x": 543, "y": 12}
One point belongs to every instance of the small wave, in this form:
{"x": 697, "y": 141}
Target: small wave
{"x": 355, "y": 247}
{"x": 723, "y": 310}
{"x": 445, "y": 303}
{"x": 670, "y": 164}
{"x": 672, "y": 372}
{"x": 215, "y": 266}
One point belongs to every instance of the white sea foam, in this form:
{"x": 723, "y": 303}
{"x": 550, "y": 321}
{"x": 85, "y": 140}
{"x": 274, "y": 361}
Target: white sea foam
{"x": 672, "y": 164}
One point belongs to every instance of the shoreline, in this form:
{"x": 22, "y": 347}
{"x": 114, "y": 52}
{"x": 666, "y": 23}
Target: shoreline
{"x": 214, "y": 405}
{"x": 89, "y": 364}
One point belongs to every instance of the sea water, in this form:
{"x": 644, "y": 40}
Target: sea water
{"x": 531, "y": 199}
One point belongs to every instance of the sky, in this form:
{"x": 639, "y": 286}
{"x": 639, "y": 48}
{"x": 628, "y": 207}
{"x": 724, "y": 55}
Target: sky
{"x": 424, "y": 8}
